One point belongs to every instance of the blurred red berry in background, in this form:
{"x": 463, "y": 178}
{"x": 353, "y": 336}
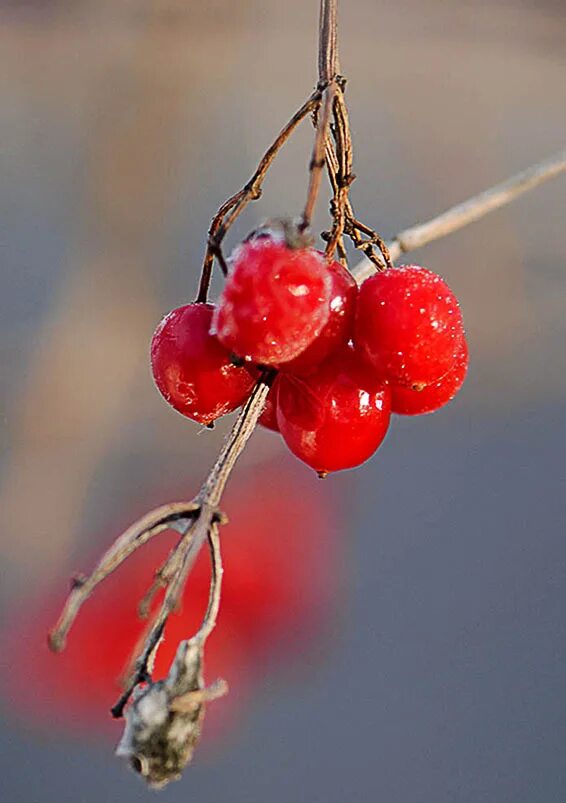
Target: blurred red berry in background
{"x": 280, "y": 580}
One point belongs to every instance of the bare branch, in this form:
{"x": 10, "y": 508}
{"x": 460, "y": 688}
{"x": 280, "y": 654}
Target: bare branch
{"x": 196, "y": 521}
{"x": 327, "y": 42}
{"x": 328, "y": 85}
{"x": 165, "y": 517}
{"x": 469, "y": 211}
{"x": 209, "y": 621}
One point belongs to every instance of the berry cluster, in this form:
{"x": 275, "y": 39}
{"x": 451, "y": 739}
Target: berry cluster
{"x": 345, "y": 358}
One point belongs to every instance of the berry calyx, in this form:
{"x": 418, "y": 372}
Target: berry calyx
{"x": 405, "y": 401}
{"x": 337, "y": 330}
{"x": 337, "y": 416}
{"x": 274, "y": 303}
{"x": 408, "y": 325}
{"x": 192, "y": 370}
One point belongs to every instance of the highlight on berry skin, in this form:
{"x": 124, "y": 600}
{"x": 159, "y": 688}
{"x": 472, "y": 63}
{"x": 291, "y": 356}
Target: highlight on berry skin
{"x": 194, "y": 373}
{"x": 337, "y": 331}
{"x": 338, "y": 416}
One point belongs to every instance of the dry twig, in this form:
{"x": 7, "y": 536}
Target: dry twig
{"x": 193, "y": 520}
{"x": 235, "y": 205}
{"x": 469, "y": 211}
{"x": 328, "y": 85}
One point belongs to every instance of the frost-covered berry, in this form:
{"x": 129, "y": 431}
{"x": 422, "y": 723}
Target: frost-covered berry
{"x": 416, "y": 402}
{"x": 275, "y": 301}
{"x": 408, "y": 325}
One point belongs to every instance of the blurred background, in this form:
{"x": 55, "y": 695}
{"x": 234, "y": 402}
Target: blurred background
{"x": 396, "y": 632}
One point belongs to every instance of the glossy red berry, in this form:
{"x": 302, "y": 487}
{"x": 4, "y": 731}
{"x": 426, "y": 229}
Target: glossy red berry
{"x": 192, "y": 370}
{"x": 337, "y": 416}
{"x": 274, "y": 303}
{"x": 408, "y": 325}
{"x": 416, "y": 402}
{"x": 339, "y": 327}
{"x": 268, "y": 418}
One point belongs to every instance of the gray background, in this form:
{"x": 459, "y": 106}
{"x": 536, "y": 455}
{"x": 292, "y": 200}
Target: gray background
{"x": 442, "y": 674}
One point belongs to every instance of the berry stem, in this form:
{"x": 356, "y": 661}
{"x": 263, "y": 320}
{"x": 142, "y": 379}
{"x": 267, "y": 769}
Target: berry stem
{"x": 339, "y": 158}
{"x": 328, "y": 85}
{"x": 235, "y": 205}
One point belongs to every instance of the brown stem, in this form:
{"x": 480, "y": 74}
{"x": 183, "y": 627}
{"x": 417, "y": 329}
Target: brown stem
{"x": 339, "y": 157}
{"x": 235, "y": 205}
{"x": 198, "y": 532}
{"x": 327, "y": 84}
{"x": 195, "y": 520}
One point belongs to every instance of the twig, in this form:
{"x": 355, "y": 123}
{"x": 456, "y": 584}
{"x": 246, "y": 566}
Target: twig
{"x": 327, "y": 41}
{"x": 328, "y": 85}
{"x": 339, "y": 160}
{"x": 195, "y": 520}
{"x": 469, "y": 211}
{"x": 166, "y": 517}
{"x": 211, "y": 615}
{"x": 236, "y": 204}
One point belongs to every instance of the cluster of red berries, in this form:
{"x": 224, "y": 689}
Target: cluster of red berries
{"x": 346, "y": 358}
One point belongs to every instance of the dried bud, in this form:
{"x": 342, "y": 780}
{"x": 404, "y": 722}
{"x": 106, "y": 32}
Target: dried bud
{"x": 164, "y": 719}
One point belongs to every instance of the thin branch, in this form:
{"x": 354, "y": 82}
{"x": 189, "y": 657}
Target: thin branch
{"x": 207, "y": 518}
{"x": 328, "y": 85}
{"x": 213, "y": 487}
{"x": 211, "y": 615}
{"x": 327, "y": 42}
{"x": 236, "y": 204}
{"x": 197, "y": 521}
{"x": 469, "y": 211}
{"x": 317, "y": 161}
{"x": 339, "y": 160}
{"x": 165, "y": 517}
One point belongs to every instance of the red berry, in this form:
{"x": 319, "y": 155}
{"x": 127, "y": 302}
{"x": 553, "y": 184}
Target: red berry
{"x": 408, "y": 325}
{"x": 274, "y": 303}
{"x": 337, "y": 416}
{"x": 268, "y": 418}
{"x": 338, "y": 329}
{"x": 415, "y": 402}
{"x": 193, "y": 372}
